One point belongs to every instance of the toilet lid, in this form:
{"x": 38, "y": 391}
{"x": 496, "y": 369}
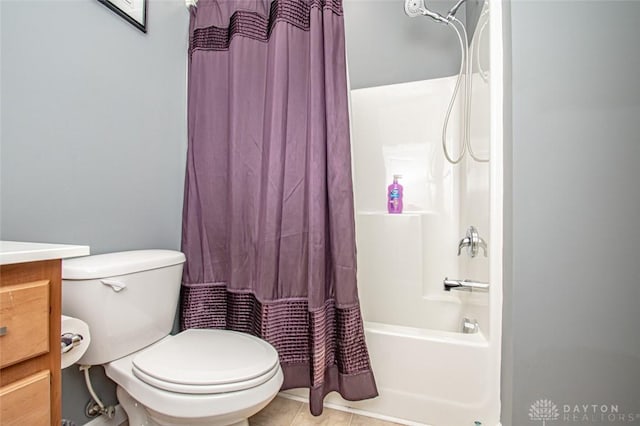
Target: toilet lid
{"x": 207, "y": 361}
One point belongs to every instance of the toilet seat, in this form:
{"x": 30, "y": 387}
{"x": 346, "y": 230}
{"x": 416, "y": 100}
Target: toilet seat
{"x": 206, "y": 362}
{"x": 190, "y": 406}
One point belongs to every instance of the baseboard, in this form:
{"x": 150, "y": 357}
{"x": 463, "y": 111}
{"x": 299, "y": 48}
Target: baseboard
{"x": 118, "y": 419}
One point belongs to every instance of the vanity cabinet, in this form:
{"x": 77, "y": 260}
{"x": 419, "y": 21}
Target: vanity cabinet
{"x": 30, "y": 384}
{"x": 30, "y": 303}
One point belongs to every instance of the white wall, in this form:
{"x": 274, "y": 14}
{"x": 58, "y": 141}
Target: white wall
{"x": 403, "y": 258}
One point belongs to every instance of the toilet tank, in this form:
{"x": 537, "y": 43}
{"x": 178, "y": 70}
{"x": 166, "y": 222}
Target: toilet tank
{"x": 128, "y": 299}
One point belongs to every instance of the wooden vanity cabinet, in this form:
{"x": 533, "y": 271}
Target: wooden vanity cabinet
{"x": 30, "y": 384}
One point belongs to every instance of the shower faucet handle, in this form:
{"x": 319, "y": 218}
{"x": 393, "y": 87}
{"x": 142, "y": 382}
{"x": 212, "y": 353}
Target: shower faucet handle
{"x": 473, "y": 242}
{"x": 465, "y": 242}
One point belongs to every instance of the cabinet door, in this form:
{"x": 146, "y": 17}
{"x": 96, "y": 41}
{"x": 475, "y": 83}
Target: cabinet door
{"x": 24, "y": 321}
{"x": 26, "y": 402}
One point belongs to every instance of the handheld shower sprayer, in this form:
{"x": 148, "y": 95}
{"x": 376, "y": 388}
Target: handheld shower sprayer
{"x": 415, "y": 8}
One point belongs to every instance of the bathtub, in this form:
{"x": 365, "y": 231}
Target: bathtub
{"x": 429, "y": 377}
{"x": 427, "y": 371}
{"x": 425, "y": 377}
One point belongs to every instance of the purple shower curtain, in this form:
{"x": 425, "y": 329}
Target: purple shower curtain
{"x": 268, "y": 221}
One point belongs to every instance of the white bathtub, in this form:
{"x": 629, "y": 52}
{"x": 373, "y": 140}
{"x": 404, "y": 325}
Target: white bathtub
{"x": 426, "y": 377}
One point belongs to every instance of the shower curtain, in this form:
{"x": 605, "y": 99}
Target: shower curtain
{"x": 268, "y": 220}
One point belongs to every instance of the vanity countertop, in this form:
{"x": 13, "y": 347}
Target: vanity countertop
{"x": 19, "y": 252}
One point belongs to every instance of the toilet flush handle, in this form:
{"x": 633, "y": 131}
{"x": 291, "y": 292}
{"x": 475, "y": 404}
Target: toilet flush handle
{"x": 116, "y": 286}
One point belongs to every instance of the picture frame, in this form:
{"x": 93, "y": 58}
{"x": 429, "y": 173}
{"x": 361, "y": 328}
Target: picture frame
{"x": 133, "y": 11}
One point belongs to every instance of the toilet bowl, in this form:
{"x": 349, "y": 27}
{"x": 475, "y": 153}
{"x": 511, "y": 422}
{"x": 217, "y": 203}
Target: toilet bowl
{"x": 196, "y": 377}
{"x": 169, "y": 391}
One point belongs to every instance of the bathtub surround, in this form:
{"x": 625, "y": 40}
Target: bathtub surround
{"x": 268, "y": 223}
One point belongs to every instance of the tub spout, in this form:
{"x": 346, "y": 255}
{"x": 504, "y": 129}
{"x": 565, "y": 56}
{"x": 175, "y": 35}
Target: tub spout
{"x": 467, "y": 285}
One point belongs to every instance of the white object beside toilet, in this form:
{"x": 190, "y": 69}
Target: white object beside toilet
{"x": 196, "y": 377}
{"x": 77, "y": 331}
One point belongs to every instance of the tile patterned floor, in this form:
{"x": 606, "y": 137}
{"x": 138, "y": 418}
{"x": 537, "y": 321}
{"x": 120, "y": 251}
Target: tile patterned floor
{"x": 287, "y": 412}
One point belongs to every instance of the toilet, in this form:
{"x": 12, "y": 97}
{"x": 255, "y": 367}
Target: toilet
{"x": 196, "y": 377}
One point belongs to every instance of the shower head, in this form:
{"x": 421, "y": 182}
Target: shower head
{"x": 415, "y": 8}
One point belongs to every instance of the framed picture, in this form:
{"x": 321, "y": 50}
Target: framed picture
{"x": 134, "y": 11}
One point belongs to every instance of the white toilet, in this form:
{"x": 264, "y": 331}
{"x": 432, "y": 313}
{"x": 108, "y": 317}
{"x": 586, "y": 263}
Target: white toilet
{"x": 197, "y": 377}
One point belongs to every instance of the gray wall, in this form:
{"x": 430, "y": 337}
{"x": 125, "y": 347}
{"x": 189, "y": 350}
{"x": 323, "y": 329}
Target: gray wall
{"x": 385, "y": 46}
{"x": 572, "y": 302}
{"x": 93, "y": 124}
{"x": 93, "y": 133}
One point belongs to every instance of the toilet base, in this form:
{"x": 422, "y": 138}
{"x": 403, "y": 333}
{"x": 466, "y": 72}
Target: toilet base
{"x": 138, "y": 415}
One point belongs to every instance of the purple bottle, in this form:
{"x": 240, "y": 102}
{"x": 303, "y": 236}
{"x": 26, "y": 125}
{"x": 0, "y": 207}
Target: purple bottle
{"x": 394, "y": 196}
